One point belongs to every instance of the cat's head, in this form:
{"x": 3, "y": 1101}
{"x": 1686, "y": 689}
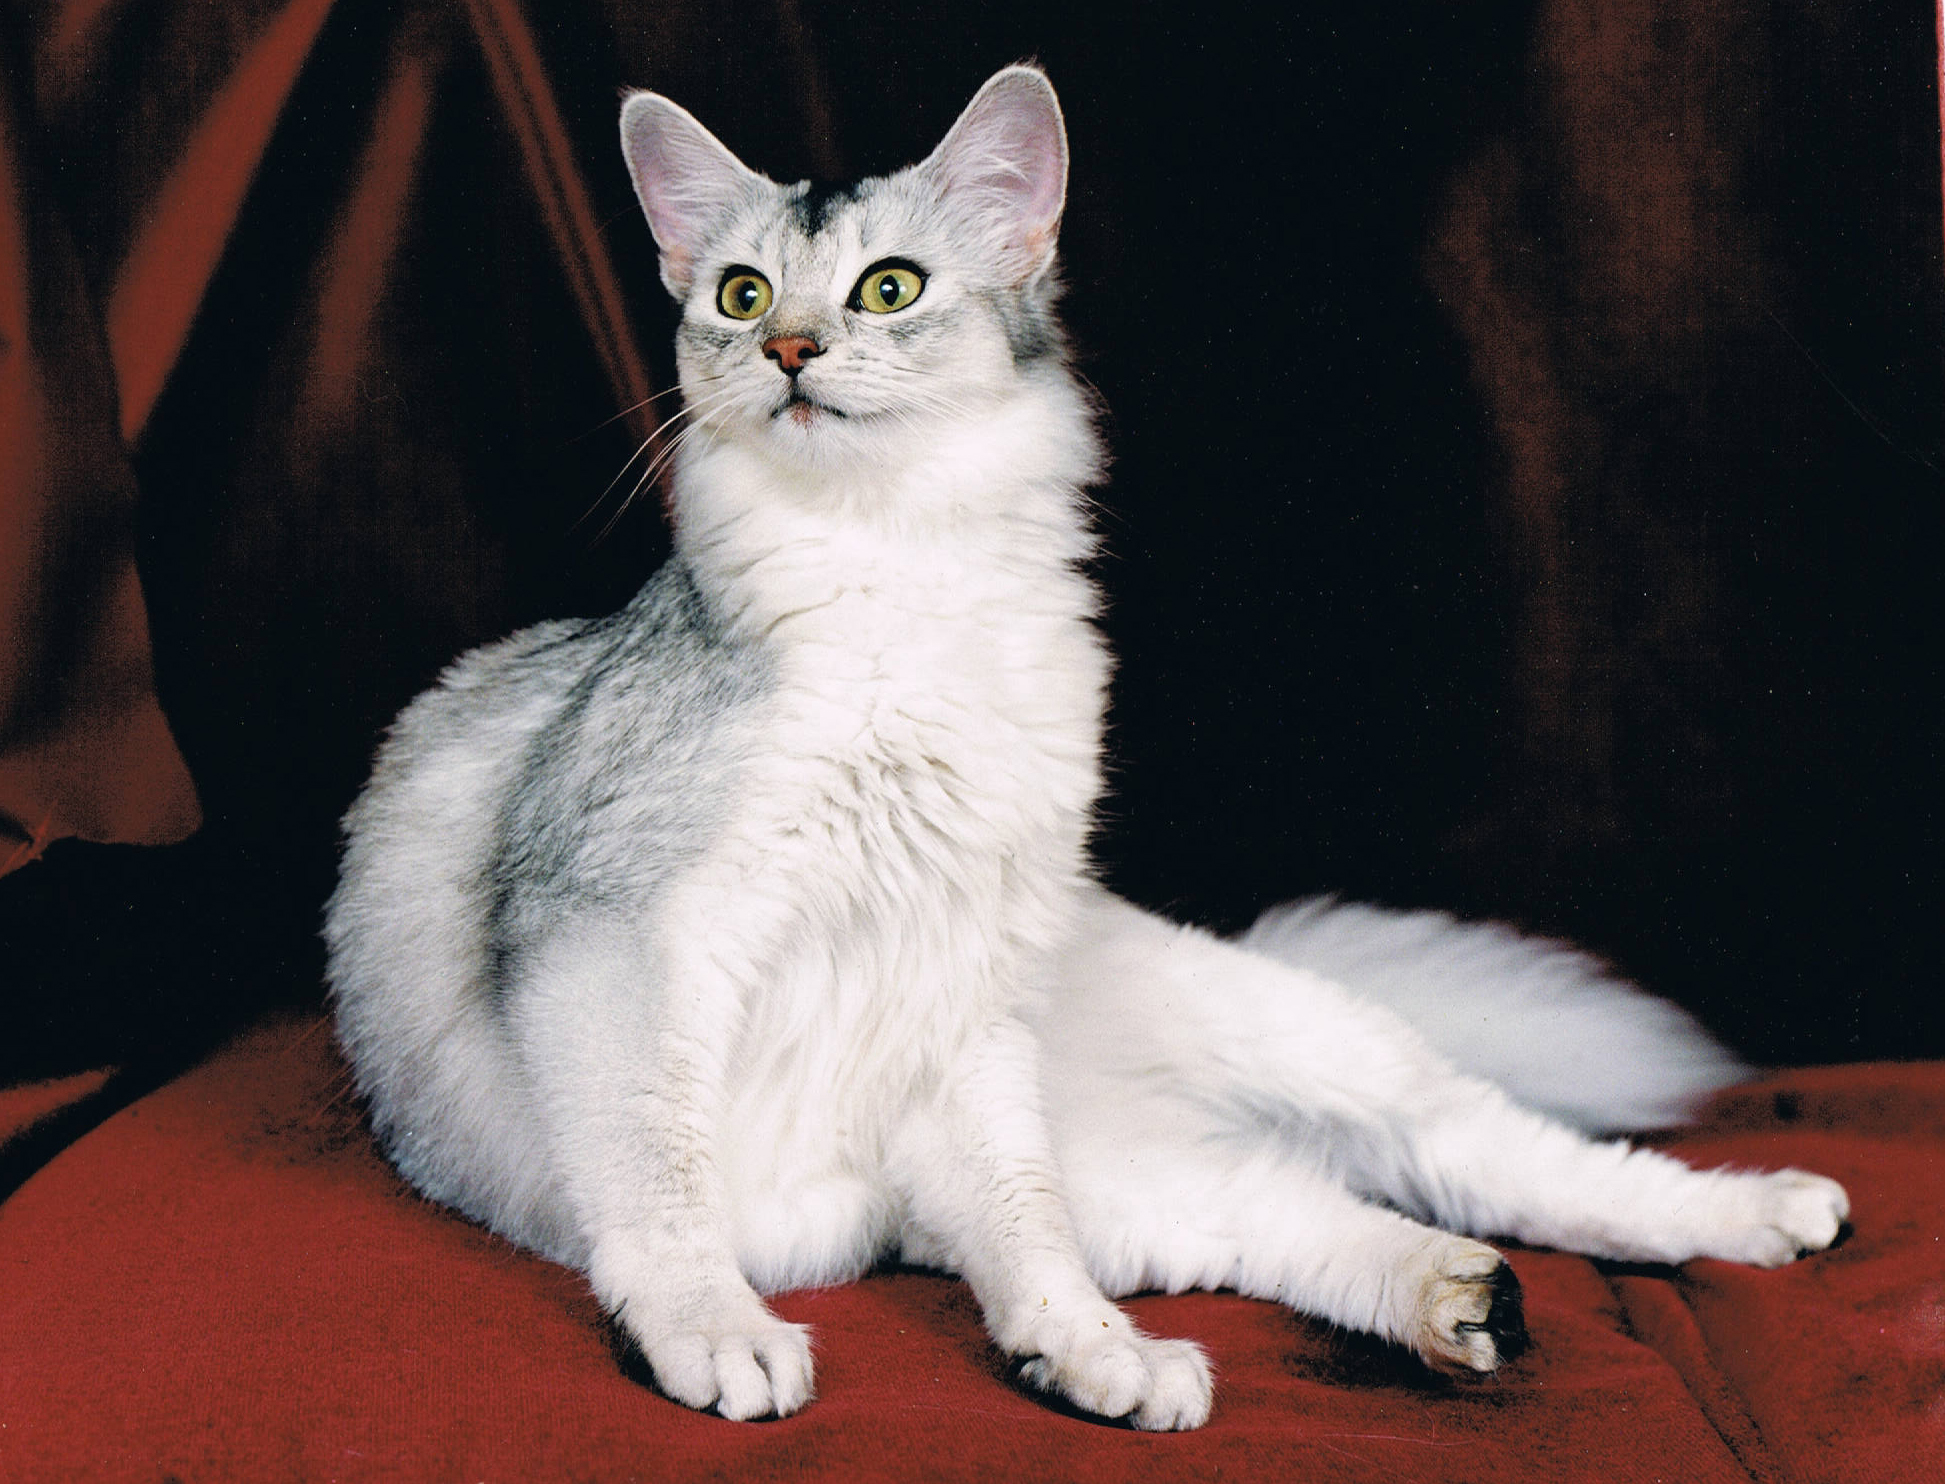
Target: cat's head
{"x": 835, "y": 327}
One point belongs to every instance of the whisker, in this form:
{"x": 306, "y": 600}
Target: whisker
{"x": 709, "y": 410}
{"x": 609, "y": 422}
{"x": 688, "y": 410}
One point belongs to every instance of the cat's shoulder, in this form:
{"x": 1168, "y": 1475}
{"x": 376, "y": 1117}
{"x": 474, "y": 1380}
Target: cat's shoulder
{"x": 661, "y": 678}
{"x": 668, "y": 625}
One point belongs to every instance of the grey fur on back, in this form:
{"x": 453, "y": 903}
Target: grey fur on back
{"x": 629, "y": 779}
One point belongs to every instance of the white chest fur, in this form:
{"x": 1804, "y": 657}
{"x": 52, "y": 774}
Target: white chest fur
{"x": 940, "y": 686}
{"x": 918, "y": 818}
{"x": 923, "y": 797}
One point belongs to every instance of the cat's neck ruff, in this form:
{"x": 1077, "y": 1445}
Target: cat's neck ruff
{"x": 978, "y": 520}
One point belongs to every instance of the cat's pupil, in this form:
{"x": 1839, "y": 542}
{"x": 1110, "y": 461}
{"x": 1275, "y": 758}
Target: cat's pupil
{"x": 746, "y": 297}
{"x": 888, "y": 290}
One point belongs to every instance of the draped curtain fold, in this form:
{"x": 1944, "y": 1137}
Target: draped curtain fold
{"x": 130, "y": 139}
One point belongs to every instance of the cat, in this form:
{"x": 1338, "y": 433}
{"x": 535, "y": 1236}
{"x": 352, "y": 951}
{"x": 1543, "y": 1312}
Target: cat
{"x": 747, "y": 937}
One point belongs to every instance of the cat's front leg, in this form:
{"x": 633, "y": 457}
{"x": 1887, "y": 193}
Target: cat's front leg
{"x": 985, "y": 1202}
{"x": 624, "y": 1050}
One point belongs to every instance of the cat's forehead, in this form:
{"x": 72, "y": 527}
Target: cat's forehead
{"x": 812, "y": 203}
{"x": 821, "y": 222}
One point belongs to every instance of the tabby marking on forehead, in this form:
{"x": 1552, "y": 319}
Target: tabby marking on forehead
{"x": 811, "y": 209}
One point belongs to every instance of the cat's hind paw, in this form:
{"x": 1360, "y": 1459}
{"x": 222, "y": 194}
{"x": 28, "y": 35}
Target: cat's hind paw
{"x": 1158, "y": 1385}
{"x": 1469, "y": 1316}
{"x": 1778, "y": 1218}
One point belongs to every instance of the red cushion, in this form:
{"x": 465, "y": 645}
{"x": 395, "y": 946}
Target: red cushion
{"x": 225, "y": 1282}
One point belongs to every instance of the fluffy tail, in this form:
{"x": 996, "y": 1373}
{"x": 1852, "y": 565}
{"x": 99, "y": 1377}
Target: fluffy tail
{"x": 1547, "y": 1022}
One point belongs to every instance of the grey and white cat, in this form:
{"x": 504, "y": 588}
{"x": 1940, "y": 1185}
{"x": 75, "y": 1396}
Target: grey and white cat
{"x": 747, "y": 937}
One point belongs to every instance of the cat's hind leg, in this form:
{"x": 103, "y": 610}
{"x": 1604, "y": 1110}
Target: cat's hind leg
{"x": 1477, "y": 1160}
{"x": 1166, "y": 1195}
{"x": 1144, "y": 1002}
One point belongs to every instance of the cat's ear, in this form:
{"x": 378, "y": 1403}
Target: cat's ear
{"x": 685, "y": 178}
{"x": 1004, "y": 165}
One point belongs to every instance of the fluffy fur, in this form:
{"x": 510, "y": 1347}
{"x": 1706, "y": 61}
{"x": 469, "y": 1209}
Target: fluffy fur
{"x": 746, "y": 937}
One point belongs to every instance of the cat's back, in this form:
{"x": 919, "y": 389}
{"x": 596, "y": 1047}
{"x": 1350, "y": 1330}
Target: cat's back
{"x": 417, "y": 840}
{"x": 531, "y": 761}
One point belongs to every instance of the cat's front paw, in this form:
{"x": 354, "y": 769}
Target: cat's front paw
{"x": 1158, "y": 1385}
{"x": 1468, "y": 1316}
{"x": 1774, "y": 1219}
{"x": 724, "y": 1351}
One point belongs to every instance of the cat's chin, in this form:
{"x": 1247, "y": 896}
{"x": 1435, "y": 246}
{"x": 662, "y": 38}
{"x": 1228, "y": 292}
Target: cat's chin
{"x": 807, "y": 412}
{"x": 818, "y": 435}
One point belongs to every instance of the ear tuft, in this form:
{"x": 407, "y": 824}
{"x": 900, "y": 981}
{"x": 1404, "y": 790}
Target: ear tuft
{"x": 1004, "y": 163}
{"x": 685, "y": 177}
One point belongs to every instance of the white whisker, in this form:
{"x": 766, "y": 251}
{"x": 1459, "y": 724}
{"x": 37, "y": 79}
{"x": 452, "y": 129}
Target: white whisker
{"x": 689, "y": 410}
{"x": 702, "y": 414}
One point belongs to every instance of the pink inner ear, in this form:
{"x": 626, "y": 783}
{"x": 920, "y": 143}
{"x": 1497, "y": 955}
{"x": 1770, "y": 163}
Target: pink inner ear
{"x": 1010, "y": 150}
{"x": 677, "y": 263}
{"x": 1044, "y": 142}
{"x": 684, "y": 177}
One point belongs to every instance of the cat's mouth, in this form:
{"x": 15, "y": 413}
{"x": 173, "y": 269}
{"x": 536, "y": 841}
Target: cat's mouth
{"x": 803, "y": 408}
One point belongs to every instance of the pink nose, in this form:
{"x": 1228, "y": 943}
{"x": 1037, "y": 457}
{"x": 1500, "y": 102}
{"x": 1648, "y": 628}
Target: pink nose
{"x": 791, "y": 351}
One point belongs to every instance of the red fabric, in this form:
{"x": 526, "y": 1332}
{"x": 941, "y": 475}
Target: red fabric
{"x": 224, "y": 1281}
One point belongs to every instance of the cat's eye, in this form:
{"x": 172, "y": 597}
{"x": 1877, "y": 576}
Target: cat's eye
{"x": 888, "y": 286}
{"x": 744, "y": 293}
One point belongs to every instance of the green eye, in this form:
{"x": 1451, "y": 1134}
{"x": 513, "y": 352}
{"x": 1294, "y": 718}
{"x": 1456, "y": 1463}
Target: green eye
{"x": 745, "y": 293}
{"x": 888, "y": 287}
